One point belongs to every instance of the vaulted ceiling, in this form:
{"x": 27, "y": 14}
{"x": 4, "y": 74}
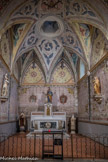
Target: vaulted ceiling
{"x": 49, "y": 35}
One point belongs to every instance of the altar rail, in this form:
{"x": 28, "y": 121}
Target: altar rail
{"x": 74, "y": 146}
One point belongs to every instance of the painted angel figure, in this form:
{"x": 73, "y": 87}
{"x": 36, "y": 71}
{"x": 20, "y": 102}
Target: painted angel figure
{"x": 4, "y": 91}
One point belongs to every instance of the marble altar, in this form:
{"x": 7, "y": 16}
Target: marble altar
{"x": 48, "y": 119}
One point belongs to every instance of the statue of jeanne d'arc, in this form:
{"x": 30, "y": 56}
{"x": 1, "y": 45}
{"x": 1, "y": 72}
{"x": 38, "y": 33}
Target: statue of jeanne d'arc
{"x": 4, "y": 91}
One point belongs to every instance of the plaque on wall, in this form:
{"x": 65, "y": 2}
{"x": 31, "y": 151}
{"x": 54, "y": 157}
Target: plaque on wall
{"x": 63, "y": 99}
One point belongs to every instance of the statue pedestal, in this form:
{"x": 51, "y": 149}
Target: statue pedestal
{"x": 98, "y": 98}
{"x": 3, "y": 99}
{"x": 48, "y": 109}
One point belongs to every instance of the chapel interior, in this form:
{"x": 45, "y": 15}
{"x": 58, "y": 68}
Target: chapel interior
{"x": 61, "y": 45}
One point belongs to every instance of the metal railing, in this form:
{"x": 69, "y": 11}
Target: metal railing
{"x": 74, "y": 146}
{"x": 89, "y": 146}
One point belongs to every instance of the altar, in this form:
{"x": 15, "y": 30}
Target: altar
{"x": 48, "y": 120}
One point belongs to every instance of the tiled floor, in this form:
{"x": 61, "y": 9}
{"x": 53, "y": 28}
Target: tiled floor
{"x": 79, "y": 147}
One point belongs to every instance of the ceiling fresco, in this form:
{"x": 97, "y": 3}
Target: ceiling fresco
{"x": 85, "y": 33}
{"x": 98, "y": 47}
{"x": 80, "y": 8}
{"x": 74, "y": 58}
{"x": 5, "y": 48}
{"x": 17, "y": 31}
{"x": 105, "y": 3}
{"x": 69, "y": 39}
{"x": 33, "y": 75}
{"x": 49, "y": 28}
{"x": 29, "y": 9}
{"x": 23, "y": 57}
{"x": 3, "y": 5}
{"x": 49, "y": 49}
{"x": 29, "y": 41}
{"x": 62, "y": 75}
{"x": 48, "y": 5}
